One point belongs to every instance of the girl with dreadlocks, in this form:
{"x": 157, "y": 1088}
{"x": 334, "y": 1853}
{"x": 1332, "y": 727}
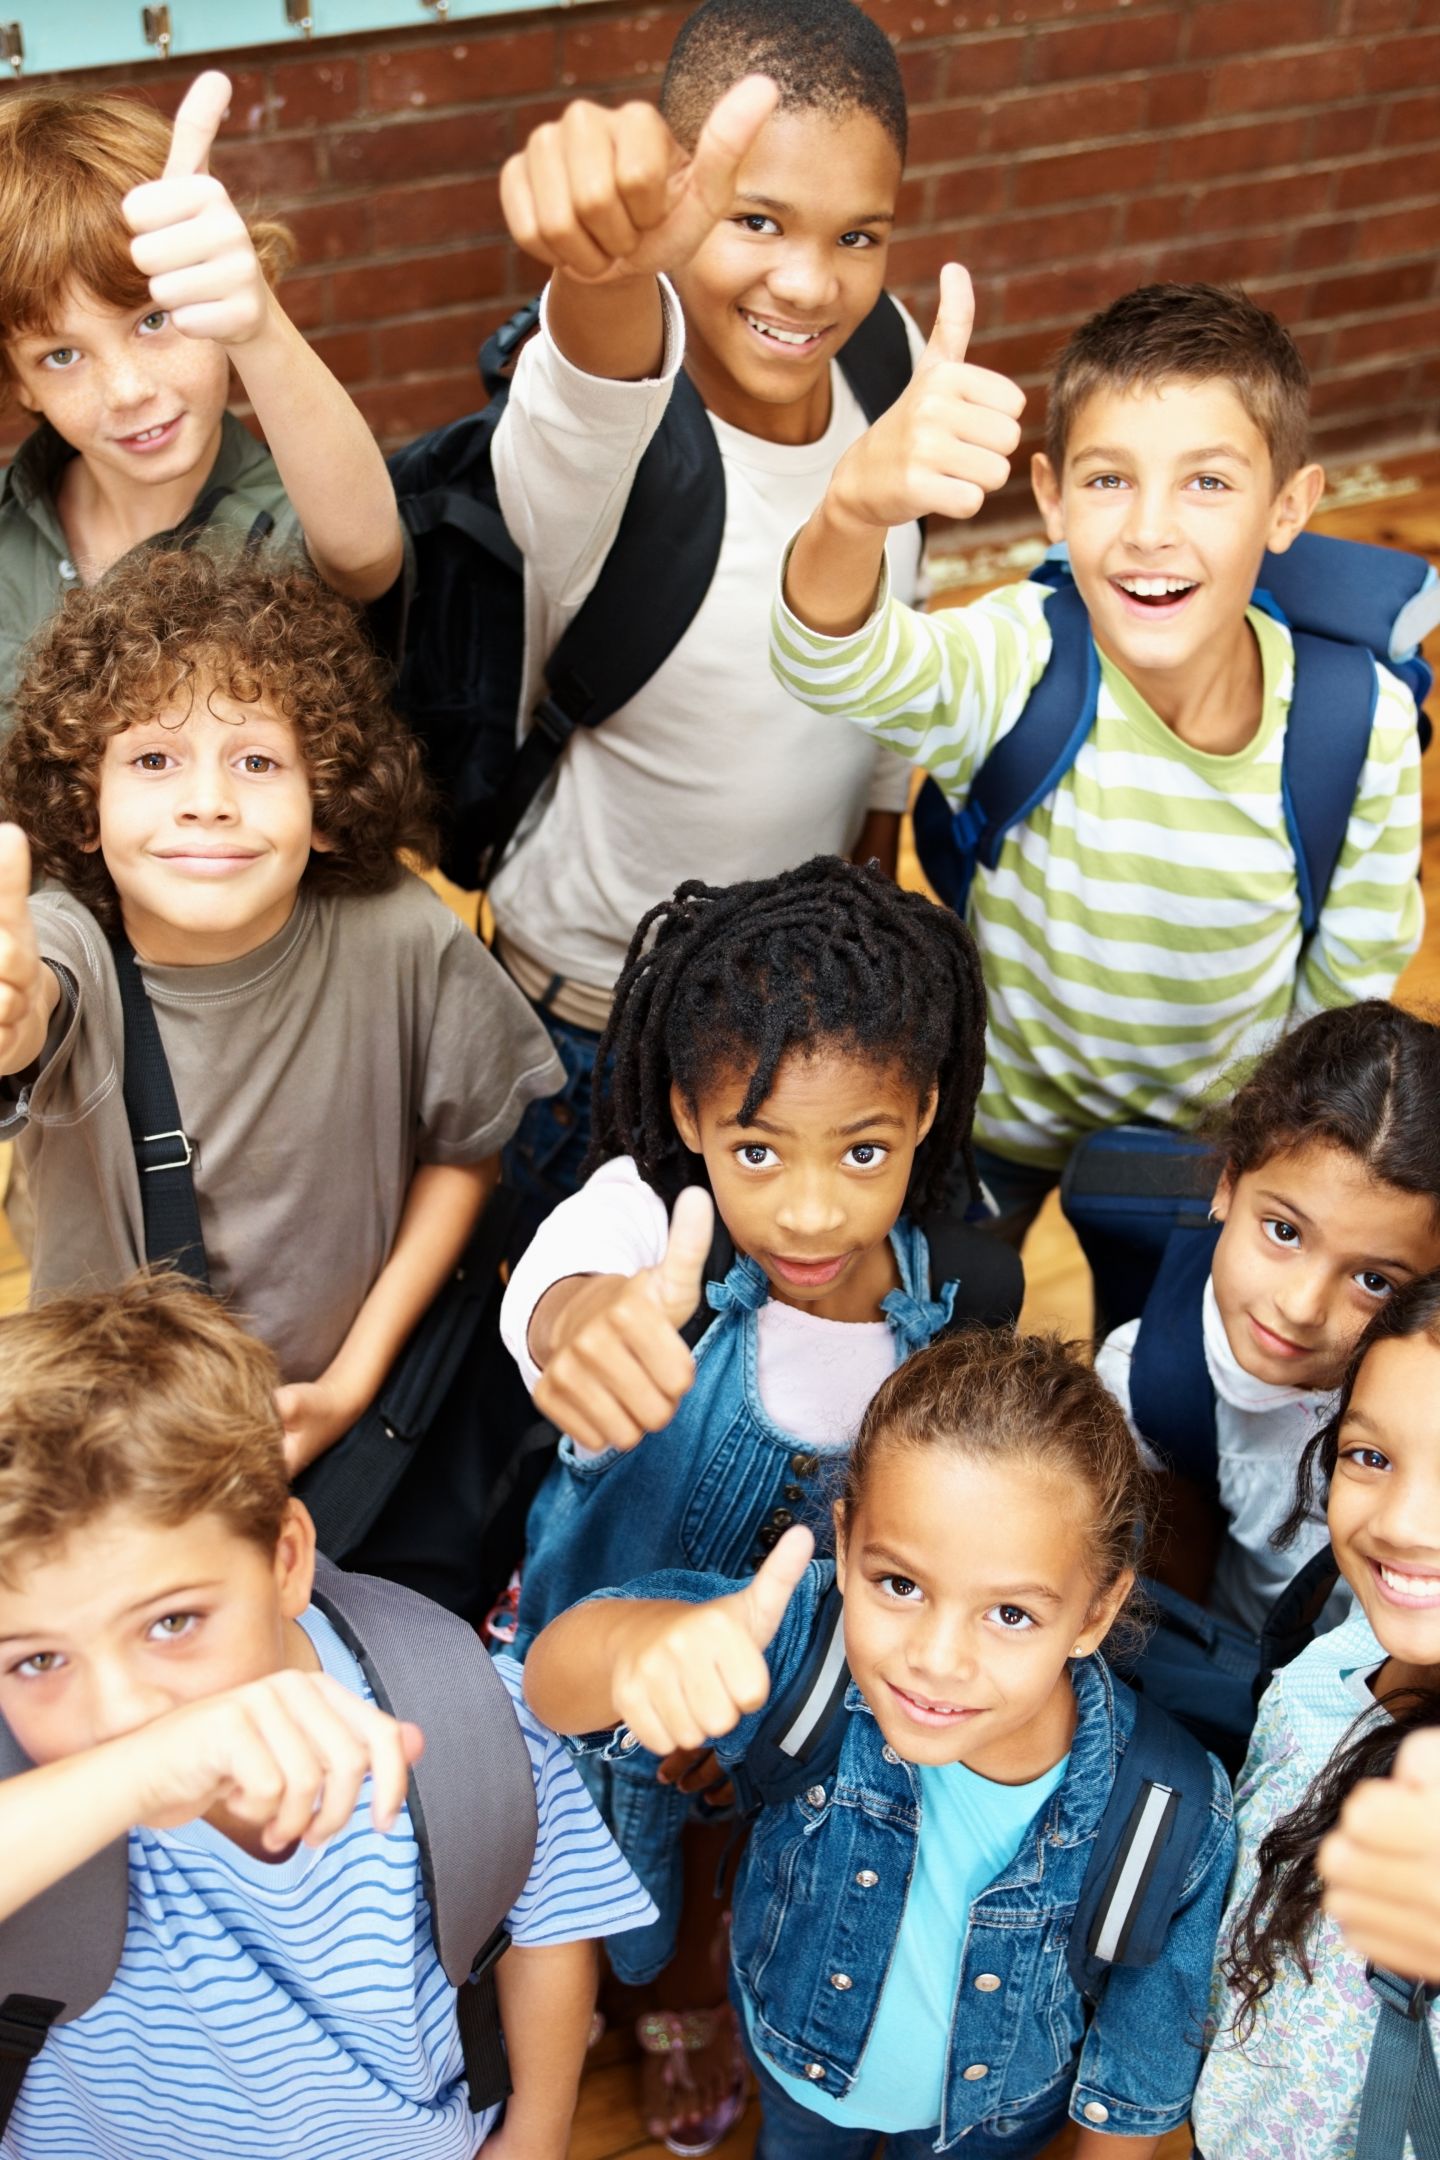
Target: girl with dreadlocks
{"x": 807, "y": 1049}
{"x": 1318, "y": 2056}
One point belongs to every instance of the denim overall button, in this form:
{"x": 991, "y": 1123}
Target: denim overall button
{"x": 814, "y": 2071}
{"x": 816, "y": 1796}
{"x": 841, "y": 1981}
{"x": 781, "y": 1518}
{"x": 976, "y": 2070}
{"x": 1095, "y": 2111}
{"x": 888, "y": 1754}
{"x": 805, "y": 1466}
{"x": 794, "y": 1492}
{"x": 867, "y": 1878}
{"x": 987, "y": 1982}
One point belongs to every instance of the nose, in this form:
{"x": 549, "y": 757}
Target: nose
{"x": 806, "y": 276}
{"x": 1406, "y": 1519}
{"x": 810, "y": 1205}
{"x": 1304, "y": 1296}
{"x": 129, "y": 380}
{"x": 939, "y": 1650}
{"x": 208, "y": 796}
{"x": 119, "y": 1702}
{"x": 1149, "y": 518}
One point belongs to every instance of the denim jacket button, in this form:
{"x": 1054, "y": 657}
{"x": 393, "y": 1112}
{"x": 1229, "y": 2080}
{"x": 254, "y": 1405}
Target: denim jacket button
{"x": 987, "y": 1982}
{"x": 816, "y": 1796}
{"x": 842, "y": 1981}
{"x": 628, "y": 1741}
{"x": 867, "y": 1878}
{"x": 814, "y": 2071}
{"x": 976, "y": 2070}
{"x": 888, "y": 1754}
{"x": 805, "y": 1466}
{"x": 1095, "y": 2111}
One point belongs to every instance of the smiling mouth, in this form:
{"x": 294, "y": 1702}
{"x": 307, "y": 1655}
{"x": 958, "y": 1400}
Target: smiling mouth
{"x": 144, "y": 437}
{"x": 786, "y": 339}
{"x": 922, "y": 1711}
{"x": 1406, "y": 1586}
{"x": 1278, "y": 1345}
{"x": 809, "y": 1273}
{"x": 1157, "y": 595}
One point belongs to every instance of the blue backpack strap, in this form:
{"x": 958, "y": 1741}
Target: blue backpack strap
{"x": 1172, "y": 1399}
{"x": 1358, "y": 594}
{"x": 1024, "y": 766}
{"x": 1400, "y": 2102}
{"x": 798, "y": 1741}
{"x": 1327, "y": 739}
{"x": 1145, "y": 1846}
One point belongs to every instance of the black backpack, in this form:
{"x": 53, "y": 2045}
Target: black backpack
{"x": 463, "y": 654}
{"x": 472, "y": 1803}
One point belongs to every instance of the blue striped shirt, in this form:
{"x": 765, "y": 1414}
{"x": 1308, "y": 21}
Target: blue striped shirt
{"x": 296, "y": 2010}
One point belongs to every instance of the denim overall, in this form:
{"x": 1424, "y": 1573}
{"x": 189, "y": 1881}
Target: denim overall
{"x": 713, "y": 1491}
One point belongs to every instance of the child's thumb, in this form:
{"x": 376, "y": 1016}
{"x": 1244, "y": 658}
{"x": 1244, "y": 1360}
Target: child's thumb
{"x": 679, "y": 1281}
{"x": 950, "y": 338}
{"x": 196, "y": 124}
{"x": 14, "y": 872}
{"x": 1418, "y": 1760}
{"x": 767, "y": 1596}
{"x": 726, "y": 139}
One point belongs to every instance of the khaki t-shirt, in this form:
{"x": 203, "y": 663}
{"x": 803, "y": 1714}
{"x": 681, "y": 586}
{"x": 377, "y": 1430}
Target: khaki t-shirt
{"x": 313, "y": 1076}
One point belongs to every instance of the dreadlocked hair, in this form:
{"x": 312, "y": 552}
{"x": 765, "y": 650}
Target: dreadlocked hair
{"x": 735, "y": 975}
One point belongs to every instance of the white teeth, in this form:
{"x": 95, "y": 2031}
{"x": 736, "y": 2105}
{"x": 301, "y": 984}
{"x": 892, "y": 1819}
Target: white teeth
{"x": 1410, "y": 1585}
{"x": 149, "y": 434}
{"x": 1154, "y": 588}
{"x": 781, "y": 337}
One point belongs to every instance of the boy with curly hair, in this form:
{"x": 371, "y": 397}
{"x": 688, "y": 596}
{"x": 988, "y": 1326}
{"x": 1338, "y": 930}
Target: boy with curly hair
{"x": 205, "y": 762}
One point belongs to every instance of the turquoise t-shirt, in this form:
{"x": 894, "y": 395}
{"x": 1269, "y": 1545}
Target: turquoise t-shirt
{"x": 970, "y": 1831}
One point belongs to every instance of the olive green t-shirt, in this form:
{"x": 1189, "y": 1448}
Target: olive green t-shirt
{"x": 370, "y": 1035}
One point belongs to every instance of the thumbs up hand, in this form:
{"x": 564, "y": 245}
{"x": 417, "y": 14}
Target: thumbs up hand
{"x": 615, "y": 1366}
{"x": 684, "y": 1674}
{"x": 191, "y": 243}
{"x": 1380, "y": 1865}
{"x": 945, "y": 443}
{"x": 28, "y": 989}
{"x": 605, "y": 195}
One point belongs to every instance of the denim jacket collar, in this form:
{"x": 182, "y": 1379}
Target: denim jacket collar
{"x": 912, "y": 1313}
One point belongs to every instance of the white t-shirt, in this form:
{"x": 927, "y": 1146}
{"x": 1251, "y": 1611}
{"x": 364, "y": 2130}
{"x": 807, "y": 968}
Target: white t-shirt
{"x": 713, "y": 770}
{"x": 816, "y": 1377}
{"x": 1261, "y": 1431}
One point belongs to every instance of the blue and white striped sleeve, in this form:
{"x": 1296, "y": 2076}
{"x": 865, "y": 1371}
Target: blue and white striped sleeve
{"x": 579, "y": 1885}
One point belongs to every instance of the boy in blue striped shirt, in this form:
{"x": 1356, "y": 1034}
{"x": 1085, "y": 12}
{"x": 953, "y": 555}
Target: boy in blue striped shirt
{"x": 279, "y": 1993}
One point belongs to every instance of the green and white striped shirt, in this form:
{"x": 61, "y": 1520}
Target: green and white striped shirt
{"x": 1141, "y": 929}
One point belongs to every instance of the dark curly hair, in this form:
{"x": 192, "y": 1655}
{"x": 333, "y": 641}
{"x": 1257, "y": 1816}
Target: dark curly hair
{"x": 826, "y": 56}
{"x": 740, "y": 974}
{"x": 182, "y": 623}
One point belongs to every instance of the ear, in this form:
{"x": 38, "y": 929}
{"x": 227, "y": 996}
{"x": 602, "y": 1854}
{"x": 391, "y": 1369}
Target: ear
{"x": 295, "y": 1559}
{"x": 1224, "y": 1195}
{"x": 686, "y": 1123}
{"x": 1101, "y": 1617}
{"x": 1045, "y": 482}
{"x": 928, "y": 1108}
{"x": 837, "y": 1514}
{"x": 321, "y": 842}
{"x": 1291, "y": 510}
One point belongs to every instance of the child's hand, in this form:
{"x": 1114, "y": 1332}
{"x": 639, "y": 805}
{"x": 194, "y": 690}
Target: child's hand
{"x": 286, "y": 1755}
{"x": 615, "y": 1365}
{"x": 314, "y": 1414}
{"x": 945, "y": 444}
{"x": 606, "y": 195}
{"x": 1381, "y": 1864}
{"x": 685, "y": 1675}
{"x": 23, "y": 974}
{"x": 191, "y": 242}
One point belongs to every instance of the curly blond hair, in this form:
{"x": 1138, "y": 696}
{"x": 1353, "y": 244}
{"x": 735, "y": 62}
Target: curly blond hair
{"x": 182, "y": 623}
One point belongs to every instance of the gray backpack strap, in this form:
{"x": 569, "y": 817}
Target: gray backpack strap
{"x": 472, "y": 1793}
{"x": 59, "y": 1953}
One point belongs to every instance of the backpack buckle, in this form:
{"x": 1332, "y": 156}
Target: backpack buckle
{"x": 490, "y": 1954}
{"x": 173, "y": 1161}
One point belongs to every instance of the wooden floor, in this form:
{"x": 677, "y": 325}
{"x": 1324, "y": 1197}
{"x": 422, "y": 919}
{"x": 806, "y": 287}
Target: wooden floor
{"x": 1398, "y": 503}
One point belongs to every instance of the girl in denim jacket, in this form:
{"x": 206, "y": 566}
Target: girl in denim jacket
{"x": 810, "y": 1047}
{"x": 898, "y": 1955}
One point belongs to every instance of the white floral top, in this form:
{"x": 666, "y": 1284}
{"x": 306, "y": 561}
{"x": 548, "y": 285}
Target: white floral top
{"x": 1292, "y": 2091}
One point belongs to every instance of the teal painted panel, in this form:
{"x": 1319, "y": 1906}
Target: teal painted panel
{"x": 60, "y": 34}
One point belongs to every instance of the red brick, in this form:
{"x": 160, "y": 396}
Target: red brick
{"x": 968, "y": 191}
{"x": 1239, "y": 205}
{"x": 1150, "y": 218}
{"x": 922, "y": 71}
{"x": 1255, "y": 147}
{"x": 1221, "y": 262}
{"x": 1059, "y": 236}
{"x": 1363, "y": 391}
{"x": 536, "y": 112}
{"x": 1179, "y": 98}
{"x": 1343, "y": 131}
{"x": 1358, "y": 292}
{"x": 1062, "y": 295}
{"x": 272, "y": 171}
{"x": 984, "y": 64}
{"x": 626, "y": 45}
{"x": 332, "y": 231}
{"x": 1223, "y": 27}
{"x": 314, "y": 93}
{"x": 1412, "y": 119}
{"x": 1398, "y": 233}
{"x": 1107, "y": 48}
{"x": 942, "y": 132}
{"x": 434, "y": 345}
{"x": 382, "y": 291}
{"x": 1391, "y": 335}
{"x": 1388, "y": 179}
{"x": 306, "y": 300}
{"x": 1372, "y": 16}
{"x": 1015, "y": 11}
{"x": 395, "y": 150}
{"x": 1023, "y": 355}
{"x": 400, "y": 411}
{"x": 1058, "y": 116}
{"x": 347, "y": 354}
{"x": 919, "y": 258}
{"x": 1401, "y": 63}
{"x": 914, "y": 205}
{"x": 1370, "y": 435}
{"x": 1263, "y": 84}
{"x": 454, "y": 72}
{"x": 1325, "y": 245}
{"x": 448, "y": 210}
{"x": 1074, "y": 175}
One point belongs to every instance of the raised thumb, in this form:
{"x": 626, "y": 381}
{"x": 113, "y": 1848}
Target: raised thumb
{"x": 1418, "y": 1761}
{"x": 679, "y": 1281}
{"x": 950, "y": 338}
{"x": 767, "y": 1596}
{"x": 14, "y": 871}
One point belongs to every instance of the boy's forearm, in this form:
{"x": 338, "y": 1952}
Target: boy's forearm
{"x": 327, "y": 458}
{"x": 547, "y": 1998}
{"x": 615, "y": 330}
{"x": 54, "y": 1819}
{"x": 570, "y": 1671}
{"x": 834, "y": 571}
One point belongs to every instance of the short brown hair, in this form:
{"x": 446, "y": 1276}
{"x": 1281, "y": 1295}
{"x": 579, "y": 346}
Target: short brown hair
{"x": 253, "y": 626}
{"x": 1188, "y": 333}
{"x": 995, "y": 1396}
{"x": 149, "y": 1397}
{"x": 67, "y": 158}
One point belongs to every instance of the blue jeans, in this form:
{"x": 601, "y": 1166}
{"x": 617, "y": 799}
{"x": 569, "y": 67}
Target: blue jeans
{"x": 789, "y": 2131}
{"x": 542, "y": 1159}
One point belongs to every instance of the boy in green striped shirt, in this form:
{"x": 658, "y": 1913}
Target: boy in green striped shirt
{"x": 1141, "y": 927}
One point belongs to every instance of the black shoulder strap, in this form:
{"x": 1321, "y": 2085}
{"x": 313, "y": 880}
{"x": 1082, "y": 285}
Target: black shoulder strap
{"x": 1172, "y": 1399}
{"x": 1290, "y": 1623}
{"x": 876, "y": 359}
{"x": 163, "y": 1153}
{"x": 988, "y": 1274}
{"x": 718, "y": 1263}
{"x": 798, "y": 1742}
{"x": 1145, "y": 1845}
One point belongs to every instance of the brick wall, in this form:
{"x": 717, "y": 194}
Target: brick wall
{"x": 1064, "y": 149}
